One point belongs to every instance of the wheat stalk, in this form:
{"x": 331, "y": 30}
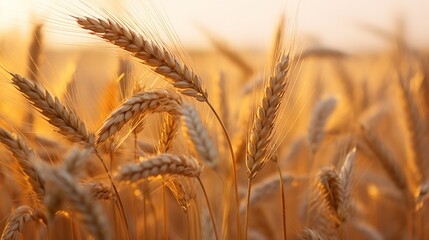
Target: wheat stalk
{"x": 240, "y": 143}
{"x": 158, "y": 58}
{"x": 199, "y": 136}
{"x": 65, "y": 120}
{"x": 207, "y": 232}
{"x": 346, "y": 82}
{"x": 223, "y": 100}
{"x": 263, "y": 125}
{"x": 26, "y": 159}
{"x": 162, "y": 62}
{"x": 137, "y": 107}
{"x": 16, "y": 222}
{"x": 162, "y": 164}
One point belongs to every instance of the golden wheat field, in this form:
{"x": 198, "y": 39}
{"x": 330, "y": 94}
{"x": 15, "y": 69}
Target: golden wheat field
{"x": 133, "y": 136}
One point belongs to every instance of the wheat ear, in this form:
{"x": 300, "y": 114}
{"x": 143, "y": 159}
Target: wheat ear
{"x": 158, "y": 58}
{"x": 263, "y": 125}
{"x": 33, "y": 63}
{"x": 162, "y": 164}
{"x": 308, "y": 234}
{"x": 25, "y": 158}
{"x": 18, "y": 219}
{"x": 333, "y": 193}
{"x": 147, "y": 148}
{"x": 169, "y": 131}
{"x": 62, "y": 185}
{"x": 183, "y": 190}
{"x": 367, "y": 231}
{"x": 98, "y": 190}
{"x": 136, "y": 107}
{"x": 278, "y": 42}
{"x": 386, "y": 159}
{"x": 162, "y": 62}
{"x": 417, "y": 128}
{"x": 75, "y": 161}
{"x": 66, "y": 121}
{"x": 346, "y": 177}
{"x": 423, "y": 192}
{"x": 35, "y": 50}
{"x": 318, "y": 120}
{"x": 231, "y": 54}
{"x": 269, "y": 186}
{"x": 199, "y": 136}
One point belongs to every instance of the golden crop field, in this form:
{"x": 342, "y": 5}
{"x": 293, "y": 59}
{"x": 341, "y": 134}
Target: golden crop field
{"x": 133, "y": 136}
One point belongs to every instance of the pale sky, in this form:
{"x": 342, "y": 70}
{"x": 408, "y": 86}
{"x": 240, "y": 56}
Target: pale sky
{"x": 251, "y": 23}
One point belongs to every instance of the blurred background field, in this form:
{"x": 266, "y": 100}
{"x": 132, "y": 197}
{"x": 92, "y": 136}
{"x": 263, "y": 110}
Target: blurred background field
{"x": 371, "y": 57}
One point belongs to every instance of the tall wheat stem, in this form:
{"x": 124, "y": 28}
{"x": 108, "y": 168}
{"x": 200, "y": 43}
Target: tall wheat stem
{"x": 121, "y": 206}
{"x": 282, "y": 192}
{"x": 114, "y": 202}
{"x": 234, "y": 166}
{"x": 246, "y": 224}
{"x": 165, "y": 211}
{"x": 210, "y": 208}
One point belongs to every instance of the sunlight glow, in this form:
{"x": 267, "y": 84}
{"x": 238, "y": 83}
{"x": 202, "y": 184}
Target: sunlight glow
{"x": 244, "y": 23}
{"x": 373, "y": 191}
{"x": 8, "y": 9}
